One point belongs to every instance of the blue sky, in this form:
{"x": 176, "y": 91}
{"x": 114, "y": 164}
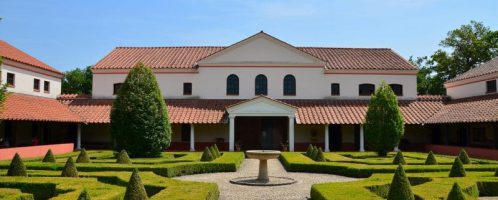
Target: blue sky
{"x": 68, "y": 34}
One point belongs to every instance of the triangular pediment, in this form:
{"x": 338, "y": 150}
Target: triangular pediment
{"x": 261, "y": 49}
{"x": 261, "y": 106}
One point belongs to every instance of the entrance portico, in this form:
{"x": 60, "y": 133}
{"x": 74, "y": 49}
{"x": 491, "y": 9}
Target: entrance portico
{"x": 262, "y": 108}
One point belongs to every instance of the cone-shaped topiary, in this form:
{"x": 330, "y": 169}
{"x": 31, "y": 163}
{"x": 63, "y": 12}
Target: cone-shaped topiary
{"x": 69, "y": 169}
{"x": 314, "y": 153}
{"x": 49, "y": 156}
{"x": 206, "y": 155}
{"x": 431, "y": 159}
{"x": 457, "y": 170}
{"x": 400, "y": 186}
{"x": 123, "y": 158}
{"x": 17, "y": 167}
{"x": 218, "y": 153}
{"x": 464, "y": 157}
{"x": 319, "y": 156}
{"x": 213, "y": 152}
{"x": 399, "y": 159}
{"x": 135, "y": 189}
{"x": 496, "y": 172}
{"x": 83, "y": 157}
{"x": 456, "y": 193}
{"x": 308, "y": 151}
{"x": 84, "y": 195}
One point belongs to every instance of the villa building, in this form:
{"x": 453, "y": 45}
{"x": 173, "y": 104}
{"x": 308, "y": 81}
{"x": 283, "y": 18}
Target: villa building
{"x": 263, "y": 93}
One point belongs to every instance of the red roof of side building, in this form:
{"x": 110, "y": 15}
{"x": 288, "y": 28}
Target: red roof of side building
{"x": 186, "y": 58}
{"x": 481, "y": 70}
{"x": 21, "y": 107}
{"x": 467, "y": 110}
{"x": 10, "y": 52}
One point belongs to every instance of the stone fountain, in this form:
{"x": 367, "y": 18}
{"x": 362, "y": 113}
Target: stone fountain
{"x": 263, "y": 179}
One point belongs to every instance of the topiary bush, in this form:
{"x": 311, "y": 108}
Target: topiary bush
{"x": 456, "y": 193}
{"x": 83, "y": 157}
{"x": 84, "y": 195}
{"x": 314, "y": 153}
{"x": 49, "y": 156}
{"x": 399, "y": 159}
{"x": 69, "y": 169}
{"x": 319, "y": 156}
{"x": 213, "y": 152}
{"x": 400, "y": 186}
{"x": 17, "y": 167}
{"x": 464, "y": 157}
{"x": 496, "y": 172}
{"x": 123, "y": 158}
{"x": 139, "y": 116}
{"x": 308, "y": 151}
{"x": 206, "y": 155}
{"x": 218, "y": 153}
{"x": 135, "y": 189}
{"x": 431, "y": 159}
{"x": 457, "y": 170}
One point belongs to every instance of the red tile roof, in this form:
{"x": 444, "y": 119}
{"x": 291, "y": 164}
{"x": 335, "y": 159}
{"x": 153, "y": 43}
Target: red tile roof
{"x": 29, "y": 108}
{"x": 466, "y": 110}
{"x": 481, "y": 70}
{"x": 12, "y": 53}
{"x": 186, "y": 58}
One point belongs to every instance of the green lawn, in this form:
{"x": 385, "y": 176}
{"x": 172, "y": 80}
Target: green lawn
{"x": 105, "y": 179}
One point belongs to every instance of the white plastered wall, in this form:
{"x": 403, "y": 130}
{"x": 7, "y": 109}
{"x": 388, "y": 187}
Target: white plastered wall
{"x": 24, "y": 82}
{"x": 467, "y": 90}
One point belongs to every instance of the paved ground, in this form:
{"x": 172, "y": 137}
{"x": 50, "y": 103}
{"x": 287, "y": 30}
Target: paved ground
{"x": 299, "y": 190}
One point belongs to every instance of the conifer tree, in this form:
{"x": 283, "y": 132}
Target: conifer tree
{"x": 457, "y": 170}
{"x": 218, "y": 153}
{"x": 213, "y": 152}
{"x": 400, "y": 187}
{"x": 308, "y": 151}
{"x": 84, "y": 195}
{"x": 431, "y": 159}
{"x": 319, "y": 156}
{"x": 83, "y": 157}
{"x": 49, "y": 156}
{"x": 399, "y": 159}
{"x": 135, "y": 189}
{"x": 69, "y": 169}
{"x": 17, "y": 167}
{"x": 464, "y": 157}
{"x": 123, "y": 158}
{"x": 206, "y": 155}
{"x": 456, "y": 193}
{"x": 314, "y": 153}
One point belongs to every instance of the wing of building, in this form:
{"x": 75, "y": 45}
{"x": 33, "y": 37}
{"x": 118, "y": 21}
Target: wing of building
{"x": 262, "y": 92}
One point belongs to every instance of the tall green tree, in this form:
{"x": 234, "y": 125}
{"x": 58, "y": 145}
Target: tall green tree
{"x": 139, "y": 116}
{"x": 3, "y": 90}
{"x": 77, "y": 81}
{"x": 384, "y": 123}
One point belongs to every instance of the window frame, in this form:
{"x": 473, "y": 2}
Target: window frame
{"x": 36, "y": 85}
{"x": 261, "y": 85}
{"x": 46, "y": 86}
{"x": 232, "y": 87}
{"x": 401, "y": 87}
{"x": 118, "y": 86}
{"x": 366, "y": 84}
{"x": 289, "y": 85}
{"x": 490, "y": 83}
{"x": 187, "y": 88}
{"x": 11, "y": 76}
{"x": 332, "y": 93}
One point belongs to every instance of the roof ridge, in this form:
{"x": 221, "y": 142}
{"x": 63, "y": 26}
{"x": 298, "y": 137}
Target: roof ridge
{"x": 165, "y": 47}
{"x": 358, "y": 48}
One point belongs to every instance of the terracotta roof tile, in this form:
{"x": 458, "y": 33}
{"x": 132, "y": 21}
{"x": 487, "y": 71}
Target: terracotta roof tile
{"x": 483, "y": 69}
{"x": 30, "y": 108}
{"x": 10, "y": 52}
{"x": 466, "y": 110}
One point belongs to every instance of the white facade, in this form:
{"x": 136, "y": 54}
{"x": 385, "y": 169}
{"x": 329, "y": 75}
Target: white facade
{"x": 470, "y": 87}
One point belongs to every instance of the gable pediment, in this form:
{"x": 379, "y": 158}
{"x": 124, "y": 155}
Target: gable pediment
{"x": 261, "y": 106}
{"x": 261, "y": 49}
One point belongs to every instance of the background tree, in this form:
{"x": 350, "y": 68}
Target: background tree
{"x": 384, "y": 123}
{"x": 77, "y": 81}
{"x": 139, "y": 117}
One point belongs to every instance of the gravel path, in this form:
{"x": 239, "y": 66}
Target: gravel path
{"x": 299, "y": 190}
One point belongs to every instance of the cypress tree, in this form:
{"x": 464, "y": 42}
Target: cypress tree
{"x": 400, "y": 186}
{"x": 399, "y": 159}
{"x": 49, "y": 156}
{"x": 431, "y": 159}
{"x": 84, "y": 195}
{"x": 17, "y": 167}
{"x": 218, "y": 153}
{"x": 123, "y": 158}
{"x": 139, "y": 116}
{"x": 69, "y": 169}
{"x": 213, "y": 152}
{"x": 464, "y": 157}
{"x": 456, "y": 193}
{"x": 83, "y": 157}
{"x": 384, "y": 123}
{"x": 206, "y": 155}
{"x": 457, "y": 170}
{"x": 308, "y": 151}
{"x": 135, "y": 189}
{"x": 319, "y": 156}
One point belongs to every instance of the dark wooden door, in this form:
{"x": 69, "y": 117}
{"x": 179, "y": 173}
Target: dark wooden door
{"x": 260, "y": 132}
{"x": 335, "y": 139}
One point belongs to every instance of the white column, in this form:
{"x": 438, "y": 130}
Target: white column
{"x": 78, "y": 137}
{"x": 291, "y": 133}
{"x": 231, "y": 134}
{"x": 327, "y": 145}
{"x": 192, "y": 137}
{"x": 396, "y": 149}
{"x": 362, "y": 140}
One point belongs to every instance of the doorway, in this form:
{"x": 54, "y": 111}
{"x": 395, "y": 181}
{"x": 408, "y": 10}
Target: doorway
{"x": 266, "y": 133}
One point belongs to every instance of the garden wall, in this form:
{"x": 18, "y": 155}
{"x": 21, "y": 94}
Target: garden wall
{"x": 35, "y": 151}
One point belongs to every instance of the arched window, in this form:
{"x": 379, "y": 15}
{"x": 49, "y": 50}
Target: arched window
{"x": 289, "y": 85}
{"x": 261, "y": 85}
{"x": 366, "y": 89}
{"x": 233, "y": 85}
{"x": 397, "y": 89}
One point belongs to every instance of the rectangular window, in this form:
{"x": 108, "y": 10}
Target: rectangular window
{"x": 491, "y": 86}
{"x": 36, "y": 85}
{"x": 185, "y": 132}
{"x": 187, "y": 88}
{"x": 11, "y": 80}
{"x": 116, "y": 87}
{"x": 46, "y": 86}
{"x": 335, "y": 89}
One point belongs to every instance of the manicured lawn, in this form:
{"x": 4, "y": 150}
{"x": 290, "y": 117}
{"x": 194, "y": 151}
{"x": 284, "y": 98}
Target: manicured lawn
{"x": 105, "y": 179}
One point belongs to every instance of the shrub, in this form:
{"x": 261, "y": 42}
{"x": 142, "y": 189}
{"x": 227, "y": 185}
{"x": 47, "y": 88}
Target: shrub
{"x": 49, "y": 156}
{"x": 83, "y": 157}
{"x": 213, "y": 152}
{"x": 399, "y": 159}
{"x": 139, "y": 116}
{"x": 206, "y": 155}
{"x": 464, "y": 157}
{"x": 218, "y": 153}
{"x": 496, "y": 172}
{"x": 314, "y": 153}
{"x": 384, "y": 123}
{"x": 400, "y": 186}
{"x": 123, "y": 158}
{"x": 457, "y": 170}
{"x": 456, "y": 193}
{"x": 308, "y": 151}
{"x": 135, "y": 189}
{"x": 84, "y": 195}
{"x": 17, "y": 167}
{"x": 319, "y": 156}
{"x": 69, "y": 169}
{"x": 431, "y": 159}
